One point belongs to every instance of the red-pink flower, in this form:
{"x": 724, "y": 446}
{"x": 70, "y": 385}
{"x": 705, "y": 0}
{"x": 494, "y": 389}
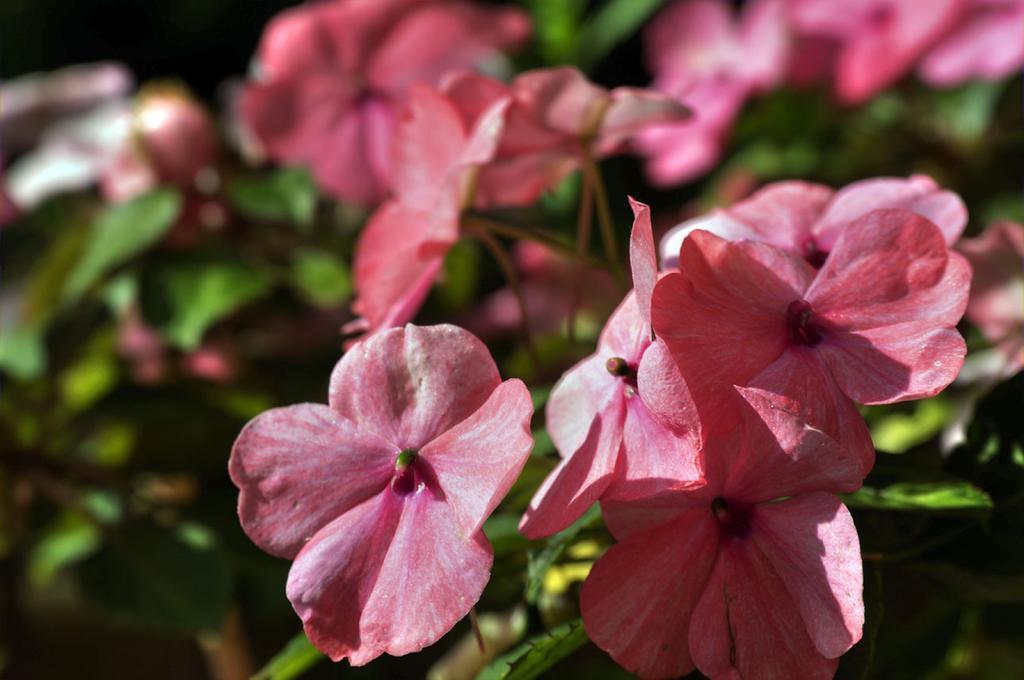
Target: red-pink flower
{"x": 555, "y": 120}
{"x": 874, "y": 325}
{"x": 599, "y": 414}
{"x": 437, "y": 158}
{"x": 754, "y": 574}
{"x": 712, "y": 60}
{"x": 879, "y": 41}
{"x": 986, "y": 43}
{"x": 807, "y": 218}
{"x": 332, "y": 74}
{"x": 379, "y": 496}
{"x": 996, "y": 304}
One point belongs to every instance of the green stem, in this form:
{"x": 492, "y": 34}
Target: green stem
{"x": 526, "y": 234}
{"x": 604, "y": 215}
{"x": 584, "y": 223}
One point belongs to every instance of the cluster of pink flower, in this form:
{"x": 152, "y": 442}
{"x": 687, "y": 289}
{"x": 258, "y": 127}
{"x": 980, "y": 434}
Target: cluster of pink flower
{"x": 718, "y": 418}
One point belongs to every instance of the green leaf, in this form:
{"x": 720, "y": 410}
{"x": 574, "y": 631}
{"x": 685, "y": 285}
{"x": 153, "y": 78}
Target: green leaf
{"x": 949, "y": 496}
{"x": 541, "y": 561}
{"x": 160, "y": 579}
{"x": 557, "y": 24}
{"x": 613, "y": 23}
{"x": 460, "y": 277}
{"x": 898, "y": 432}
{"x": 22, "y": 353}
{"x": 198, "y": 294}
{"x": 965, "y": 113}
{"x": 67, "y": 540}
{"x": 321, "y": 277}
{"x": 538, "y": 654}
{"x": 503, "y": 532}
{"x": 119, "y": 233}
{"x": 285, "y": 195}
{"x": 294, "y": 659}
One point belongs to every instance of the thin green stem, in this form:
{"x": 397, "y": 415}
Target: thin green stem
{"x": 604, "y": 215}
{"x": 526, "y": 234}
{"x": 512, "y": 276}
{"x": 584, "y": 224}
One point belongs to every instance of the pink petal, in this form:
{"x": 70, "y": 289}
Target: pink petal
{"x": 813, "y": 545}
{"x": 997, "y": 289}
{"x": 477, "y": 461}
{"x": 653, "y": 456}
{"x": 390, "y": 576}
{"x": 433, "y": 39}
{"x": 919, "y": 194}
{"x": 298, "y": 42}
{"x": 633, "y": 110}
{"x": 766, "y": 34}
{"x": 643, "y": 259}
{"x": 665, "y": 392}
{"x": 987, "y": 45}
{"x": 522, "y": 180}
{"x": 874, "y": 58}
{"x": 803, "y": 383}
{"x": 638, "y": 599}
{"x": 412, "y": 384}
{"x": 563, "y": 99}
{"x": 690, "y": 38}
{"x": 723, "y": 315}
{"x": 298, "y": 468}
{"x": 780, "y": 454}
{"x": 783, "y": 213}
{"x": 392, "y": 274}
{"x": 585, "y": 415}
{"x": 749, "y": 625}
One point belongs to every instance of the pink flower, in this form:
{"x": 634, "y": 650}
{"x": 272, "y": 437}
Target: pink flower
{"x": 807, "y": 218}
{"x": 402, "y": 247}
{"x": 556, "y": 118}
{"x": 379, "y": 496}
{"x": 332, "y": 75}
{"x": 599, "y": 414}
{"x": 879, "y": 41}
{"x": 754, "y": 574}
{"x": 986, "y": 43}
{"x": 712, "y": 61}
{"x": 996, "y": 304}
{"x": 874, "y": 325}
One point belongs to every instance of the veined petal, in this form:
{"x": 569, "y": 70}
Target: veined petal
{"x": 412, "y": 384}
{"x": 477, "y": 461}
{"x": 300, "y": 467}
{"x": 813, "y": 545}
{"x": 638, "y": 599}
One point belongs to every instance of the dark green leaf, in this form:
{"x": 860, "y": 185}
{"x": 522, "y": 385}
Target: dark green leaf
{"x": 898, "y": 432}
{"x": 198, "y": 294}
{"x": 976, "y": 587}
{"x": 948, "y": 496}
{"x": 537, "y": 655}
{"x": 160, "y": 579}
{"x": 294, "y": 659}
{"x": 541, "y": 560}
{"x": 321, "y": 277}
{"x": 557, "y": 24}
{"x": 22, "y": 353}
{"x": 616, "y": 21}
{"x": 119, "y": 233}
{"x": 287, "y": 195}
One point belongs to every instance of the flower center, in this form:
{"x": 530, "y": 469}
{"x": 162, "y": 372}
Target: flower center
{"x": 621, "y": 368}
{"x": 406, "y": 480}
{"x": 733, "y": 518}
{"x": 814, "y": 255}
{"x": 803, "y": 330}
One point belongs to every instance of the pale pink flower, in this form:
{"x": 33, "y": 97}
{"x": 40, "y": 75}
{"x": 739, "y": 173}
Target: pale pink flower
{"x": 332, "y": 75}
{"x": 807, "y": 218}
{"x": 755, "y": 573}
{"x": 987, "y": 43}
{"x": 379, "y": 496}
{"x": 712, "y": 60}
{"x": 599, "y": 415}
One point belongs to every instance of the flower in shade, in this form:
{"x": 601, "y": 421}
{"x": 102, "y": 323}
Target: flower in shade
{"x": 599, "y": 414}
{"x": 987, "y": 43}
{"x": 996, "y": 305}
{"x": 402, "y": 247}
{"x": 875, "y": 325}
{"x": 380, "y": 495}
{"x": 755, "y": 573}
{"x": 877, "y": 41}
{"x": 332, "y": 75}
{"x": 557, "y": 119}
{"x": 807, "y": 218}
{"x": 712, "y": 59}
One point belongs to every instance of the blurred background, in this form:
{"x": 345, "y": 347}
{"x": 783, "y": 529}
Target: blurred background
{"x": 137, "y": 337}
